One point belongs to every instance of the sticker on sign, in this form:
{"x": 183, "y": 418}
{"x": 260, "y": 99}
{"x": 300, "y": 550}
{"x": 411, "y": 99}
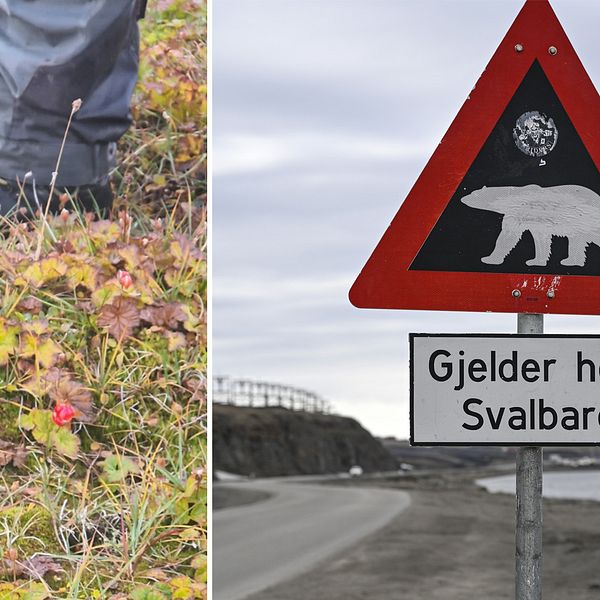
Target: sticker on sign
{"x": 524, "y": 390}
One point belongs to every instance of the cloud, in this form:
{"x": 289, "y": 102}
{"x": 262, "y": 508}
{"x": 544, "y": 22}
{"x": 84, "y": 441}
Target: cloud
{"x": 243, "y": 154}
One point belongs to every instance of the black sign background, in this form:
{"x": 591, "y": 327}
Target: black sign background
{"x": 463, "y": 235}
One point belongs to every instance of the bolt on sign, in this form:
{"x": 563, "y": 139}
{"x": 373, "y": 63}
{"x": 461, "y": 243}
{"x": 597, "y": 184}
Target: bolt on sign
{"x": 506, "y": 215}
{"x": 502, "y": 390}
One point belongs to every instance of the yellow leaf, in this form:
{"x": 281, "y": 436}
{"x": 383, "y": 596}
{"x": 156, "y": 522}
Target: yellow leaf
{"x": 104, "y": 232}
{"x": 37, "y": 326}
{"x": 176, "y": 340}
{"x": 146, "y": 287}
{"x": 82, "y": 274}
{"x": 42, "y": 271}
{"x": 192, "y": 321}
{"x": 46, "y": 351}
{"x": 36, "y": 384}
{"x": 131, "y": 255}
{"x": 155, "y": 573}
{"x": 8, "y": 341}
{"x": 179, "y": 251}
{"x": 106, "y": 293}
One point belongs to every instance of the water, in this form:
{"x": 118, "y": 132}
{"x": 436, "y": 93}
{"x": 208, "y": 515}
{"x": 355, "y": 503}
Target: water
{"x": 576, "y": 485}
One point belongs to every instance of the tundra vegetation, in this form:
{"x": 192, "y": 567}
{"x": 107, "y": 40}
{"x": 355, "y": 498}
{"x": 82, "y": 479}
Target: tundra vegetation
{"x": 103, "y": 358}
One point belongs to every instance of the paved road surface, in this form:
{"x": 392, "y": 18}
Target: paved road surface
{"x": 258, "y": 545}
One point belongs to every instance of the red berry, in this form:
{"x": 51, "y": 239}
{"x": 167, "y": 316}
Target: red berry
{"x": 63, "y": 414}
{"x": 125, "y": 279}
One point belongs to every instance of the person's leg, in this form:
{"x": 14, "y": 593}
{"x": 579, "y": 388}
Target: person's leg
{"x": 51, "y": 53}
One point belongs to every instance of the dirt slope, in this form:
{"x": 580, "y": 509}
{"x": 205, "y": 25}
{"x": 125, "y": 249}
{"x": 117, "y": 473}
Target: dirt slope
{"x": 275, "y": 441}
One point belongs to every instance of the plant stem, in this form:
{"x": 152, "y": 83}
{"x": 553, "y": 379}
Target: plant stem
{"x": 75, "y": 106}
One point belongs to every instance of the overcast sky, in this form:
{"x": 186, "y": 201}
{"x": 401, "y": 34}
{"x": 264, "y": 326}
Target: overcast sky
{"x": 324, "y": 114}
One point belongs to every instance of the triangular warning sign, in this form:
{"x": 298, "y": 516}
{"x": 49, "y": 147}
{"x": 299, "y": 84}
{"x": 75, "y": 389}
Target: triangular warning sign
{"x": 506, "y": 215}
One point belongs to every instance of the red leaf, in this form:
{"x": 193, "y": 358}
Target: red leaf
{"x": 120, "y": 317}
{"x": 71, "y": 393}
{"x": 39, "y": 565}
{"x": 166, "y": 315}
{"x": 30, "y": 305}
{"x": 10, "y": 452}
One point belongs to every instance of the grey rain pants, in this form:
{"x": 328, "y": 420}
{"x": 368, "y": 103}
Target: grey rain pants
{"x": 51, "y": 53}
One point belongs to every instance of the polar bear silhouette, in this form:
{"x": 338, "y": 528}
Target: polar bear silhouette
{"x": 570, "y": 211}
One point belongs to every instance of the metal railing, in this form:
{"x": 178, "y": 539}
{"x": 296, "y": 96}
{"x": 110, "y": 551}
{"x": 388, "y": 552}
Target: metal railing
{"x": 246, "y": 392}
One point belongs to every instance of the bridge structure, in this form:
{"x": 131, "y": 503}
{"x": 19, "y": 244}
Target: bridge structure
{"x": 247, "y": 392}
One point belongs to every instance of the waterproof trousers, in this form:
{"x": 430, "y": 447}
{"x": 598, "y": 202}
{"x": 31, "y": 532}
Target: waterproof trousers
{"x": 51, "y": 53}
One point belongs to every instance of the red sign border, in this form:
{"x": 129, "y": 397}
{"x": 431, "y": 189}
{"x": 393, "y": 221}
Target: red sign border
{"x": 386, "y": 282}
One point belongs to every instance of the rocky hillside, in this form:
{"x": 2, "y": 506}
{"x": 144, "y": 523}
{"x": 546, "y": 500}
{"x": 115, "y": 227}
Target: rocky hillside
{"x": 441, "y": 457}
{"x": 275, "y": 441}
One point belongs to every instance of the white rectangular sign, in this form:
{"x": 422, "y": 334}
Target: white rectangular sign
{"x": 486, "y": 389}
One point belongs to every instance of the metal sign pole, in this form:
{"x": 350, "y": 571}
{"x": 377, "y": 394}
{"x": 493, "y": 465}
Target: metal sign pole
{"x": 528, "y": 583}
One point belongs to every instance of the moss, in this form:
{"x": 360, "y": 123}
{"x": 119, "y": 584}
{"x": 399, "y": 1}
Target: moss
{"x": 31, "y": 530}
{"x": 9, "y": 417}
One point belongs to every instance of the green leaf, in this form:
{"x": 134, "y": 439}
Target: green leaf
{"x": 47, "y": 432}
{"x": 192, "y": 487}
{"x": 146, "y": 593}
{"x": 43, "y": 426}
{"x": 200, "y": 563}
{"x": 26, "y": 422}
{"x": 66, "y": 442}
{"x": 198, "y": 513}
{"x": 36, "y": 591}
{"x": 117, "y": 468}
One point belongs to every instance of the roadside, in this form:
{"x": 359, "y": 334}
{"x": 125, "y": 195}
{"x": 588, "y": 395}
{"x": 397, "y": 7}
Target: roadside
{"x": 455, "y": 542}
{"x": 225, "y": 496}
